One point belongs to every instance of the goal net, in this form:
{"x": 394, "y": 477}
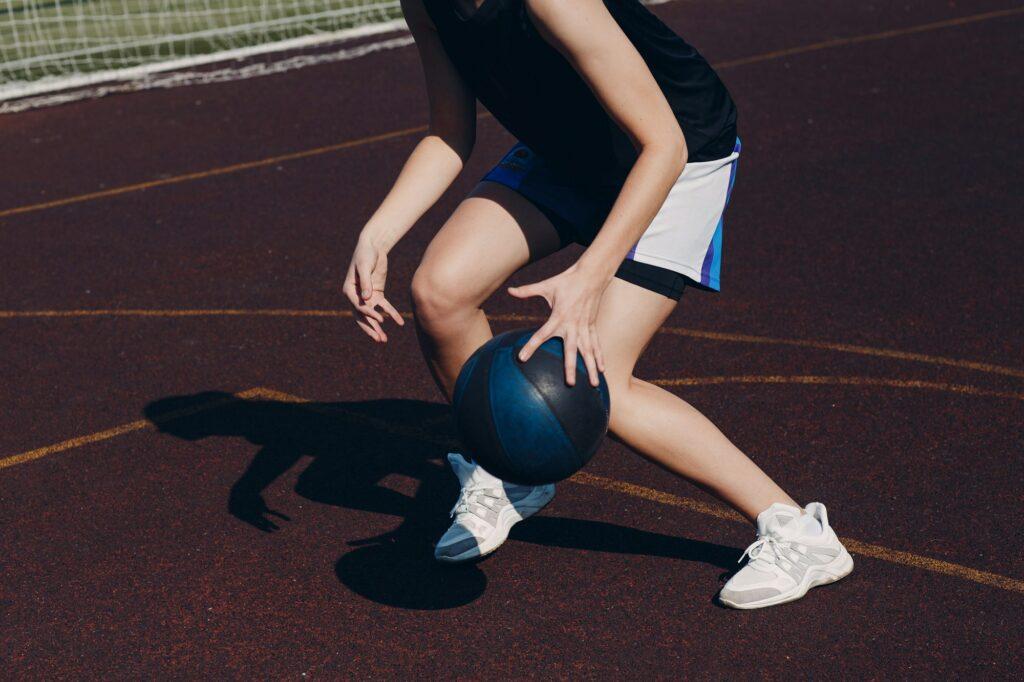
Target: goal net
{"x": 49, "y": 45}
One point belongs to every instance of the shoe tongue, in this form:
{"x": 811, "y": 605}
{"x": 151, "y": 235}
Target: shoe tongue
{"x": 777, "y": 518}
{"x": 467, "y": 471}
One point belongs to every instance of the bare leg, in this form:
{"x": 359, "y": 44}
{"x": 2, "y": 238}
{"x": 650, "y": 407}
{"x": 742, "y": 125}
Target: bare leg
{"x": 659, "y": 425}
{"x": 493, "y": 233}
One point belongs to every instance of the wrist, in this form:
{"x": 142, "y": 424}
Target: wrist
{"x": 379, "y": 239}
{"x": 597, "y": 269}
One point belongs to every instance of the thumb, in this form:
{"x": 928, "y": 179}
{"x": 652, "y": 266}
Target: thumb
{"x": 526, "y": 291}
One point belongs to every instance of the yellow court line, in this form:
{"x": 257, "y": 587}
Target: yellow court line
{"x": 873, "y": 351}
{"x": 73, "y": 443}
{"x": 213, "y": 172}
{"x": 964, "y": 389}
{"x": 753, "y": 59}
{"x": 193, "y": 312}
{"x": 892, "y": 556}
{"x": 117, "y": 431}
{"x": 889, "y": 353}
{"x": 652, "y": 495}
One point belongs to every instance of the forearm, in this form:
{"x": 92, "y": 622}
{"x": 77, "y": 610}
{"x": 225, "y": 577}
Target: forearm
{"x": 430, "y": 169}
{"x": 642, "y": 195}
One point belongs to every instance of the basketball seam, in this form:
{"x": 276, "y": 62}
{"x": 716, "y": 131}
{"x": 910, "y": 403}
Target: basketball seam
{"x": 492, "y": 423}
{"x": 485, "y": 367}
{"x": 554, "y": 412}
{"x": 601, "y": 379}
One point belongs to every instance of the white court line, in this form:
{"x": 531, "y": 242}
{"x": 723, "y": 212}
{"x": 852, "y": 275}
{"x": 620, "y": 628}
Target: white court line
{"x": 63, "y": 90}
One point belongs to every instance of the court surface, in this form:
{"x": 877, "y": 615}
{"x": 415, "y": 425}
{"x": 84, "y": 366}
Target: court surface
{"x": 175, "y": 342}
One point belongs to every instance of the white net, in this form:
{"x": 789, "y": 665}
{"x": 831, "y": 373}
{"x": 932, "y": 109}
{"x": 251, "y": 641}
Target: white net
{"x": 58, "y": 51}
{"x": 52, "y": 44}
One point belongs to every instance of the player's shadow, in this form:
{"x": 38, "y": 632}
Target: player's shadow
{"x": 353, "y": 447}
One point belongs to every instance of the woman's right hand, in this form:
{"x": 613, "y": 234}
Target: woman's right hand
{"x": 364, "y": 287}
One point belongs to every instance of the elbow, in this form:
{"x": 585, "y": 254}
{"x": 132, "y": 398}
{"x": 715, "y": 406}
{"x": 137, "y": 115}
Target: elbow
{"x": 671, "y": 151}
{"x": 678, "y": 153}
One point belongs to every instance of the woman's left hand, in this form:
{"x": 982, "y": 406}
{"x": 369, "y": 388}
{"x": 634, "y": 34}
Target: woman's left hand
{"x": 574, "y": 297}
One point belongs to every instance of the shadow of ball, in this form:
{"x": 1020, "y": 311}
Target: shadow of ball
{"x": 393, "y": 575}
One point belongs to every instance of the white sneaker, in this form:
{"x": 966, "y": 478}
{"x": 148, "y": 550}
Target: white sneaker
{"x": 486, "y": 510}
{"x": 786, "y": 560}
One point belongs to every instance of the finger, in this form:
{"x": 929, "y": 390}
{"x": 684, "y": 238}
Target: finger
{"x": 539, "y": 337}
{"x": 369, "y": 311}
{"x": 260, "y": 523}
{"x": 375, "y": 325}
{"x": 369, "y": 330}
{"x": 352, "y": 296}
{"x": 569, "y": 353}
{"x": 352, "y": 281}
{"x": 598, "y": 353}
{"x": 365, "y": 274}
{"x": 592, "y": 374}
{"x": 350, "y": 277}
{"x": 391, "y": 311}
{"x": 587, "y": 351}
{"x": 349, "y": 288}
{"x": 279, "y": 515}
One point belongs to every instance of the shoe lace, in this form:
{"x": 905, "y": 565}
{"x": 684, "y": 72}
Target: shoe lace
{"x": 470, "y": 501}
{"x": 765, "y": 550}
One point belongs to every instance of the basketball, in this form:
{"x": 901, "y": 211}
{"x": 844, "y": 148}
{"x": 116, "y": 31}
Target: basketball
{"x": 520, "y": 420}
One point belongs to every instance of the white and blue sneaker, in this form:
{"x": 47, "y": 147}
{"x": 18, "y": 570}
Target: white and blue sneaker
{"x": 485, "y": 512}
{"x": 792, "y": 554}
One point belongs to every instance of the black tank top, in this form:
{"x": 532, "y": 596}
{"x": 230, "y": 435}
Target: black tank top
{"x": 540, "y": 98}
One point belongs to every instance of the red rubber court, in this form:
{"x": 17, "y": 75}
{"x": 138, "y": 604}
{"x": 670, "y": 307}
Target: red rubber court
{"x": 206, "y": 469}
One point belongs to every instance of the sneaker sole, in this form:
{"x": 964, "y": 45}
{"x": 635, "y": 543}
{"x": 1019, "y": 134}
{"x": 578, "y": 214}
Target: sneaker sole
{"x": 528, "y": 506}
{"x": 840, "y": 567}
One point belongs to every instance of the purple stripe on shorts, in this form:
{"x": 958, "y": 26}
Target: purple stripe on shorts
{"x": 709, "y": 258}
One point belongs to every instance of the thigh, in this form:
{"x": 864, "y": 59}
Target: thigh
{"x": 493, "y": 233}
{"x": 629, "y": 317}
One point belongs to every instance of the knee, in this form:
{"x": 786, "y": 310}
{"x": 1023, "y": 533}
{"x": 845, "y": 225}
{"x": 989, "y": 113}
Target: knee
{"x": 436, "y": 297}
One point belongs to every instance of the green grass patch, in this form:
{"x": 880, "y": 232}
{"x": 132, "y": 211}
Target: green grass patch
{"x": 62, "y": 37}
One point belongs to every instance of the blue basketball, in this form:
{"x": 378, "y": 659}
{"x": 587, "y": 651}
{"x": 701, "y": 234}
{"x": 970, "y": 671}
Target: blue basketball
{"x": 520, "y": 420}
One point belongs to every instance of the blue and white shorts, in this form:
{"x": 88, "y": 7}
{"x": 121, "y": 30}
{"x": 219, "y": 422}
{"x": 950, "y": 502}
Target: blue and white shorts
{"x": 681, "y": 247}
